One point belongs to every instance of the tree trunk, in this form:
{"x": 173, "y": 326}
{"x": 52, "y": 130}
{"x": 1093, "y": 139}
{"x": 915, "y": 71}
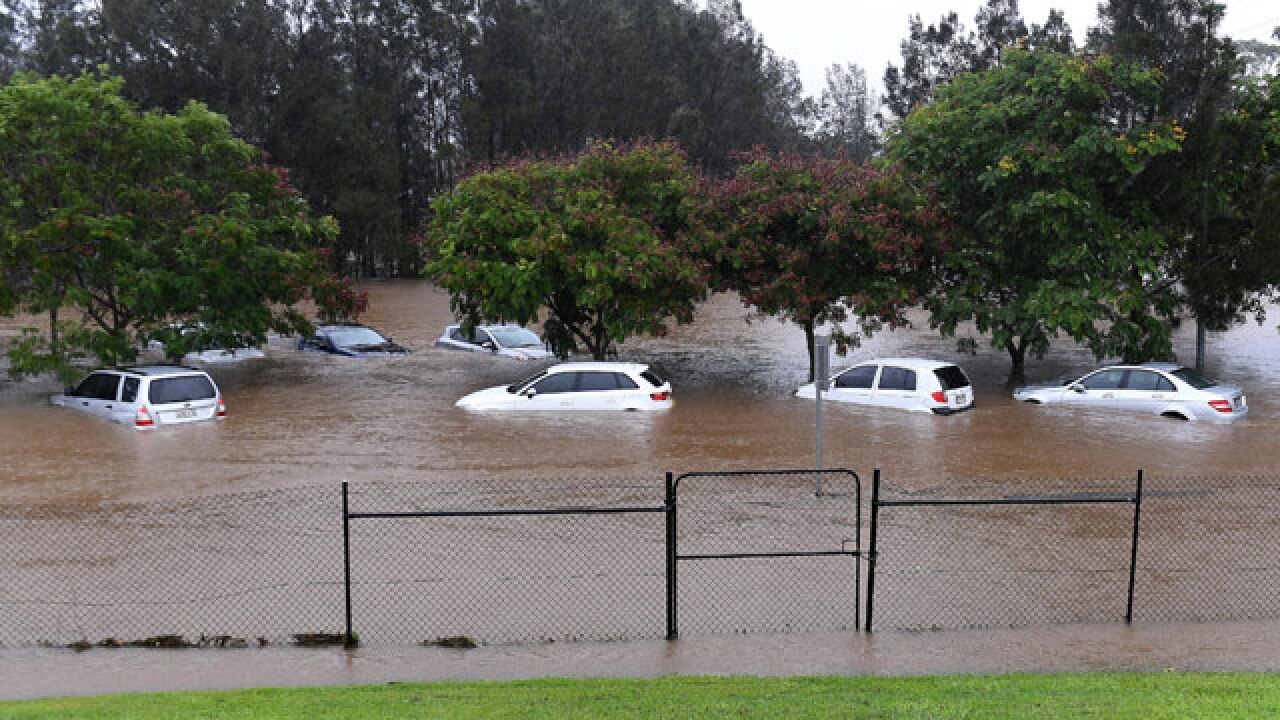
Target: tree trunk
{"x": 1017, "y": 359}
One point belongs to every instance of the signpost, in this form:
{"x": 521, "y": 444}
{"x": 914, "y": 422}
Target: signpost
{"x": 821, "y": 351}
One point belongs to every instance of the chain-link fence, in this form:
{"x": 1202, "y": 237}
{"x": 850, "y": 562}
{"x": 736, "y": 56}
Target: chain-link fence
{"x": 1209, "y": 549}
{"x": 245, "y": 568}
{"x": 495, "y": 561}
{"x": 755, "y": 552}
{"x": 767, "y": 552}
{"x": 985, "y": 553}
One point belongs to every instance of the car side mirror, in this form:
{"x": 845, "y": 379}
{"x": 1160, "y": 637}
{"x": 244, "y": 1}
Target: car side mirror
{"x": 530, "y": 392}
{"x": 1076, "y": 388}
{"x": 488, "y": 345}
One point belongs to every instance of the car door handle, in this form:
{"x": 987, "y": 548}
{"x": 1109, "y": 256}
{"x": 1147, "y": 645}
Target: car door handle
{"x": 84, "y": 403}
{"x": 108, "y": 407}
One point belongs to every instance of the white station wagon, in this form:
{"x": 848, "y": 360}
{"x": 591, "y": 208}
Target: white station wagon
{"x": 510, "y": 341}
{"x": 146, "y": 396}
{"x": 908, "y": 383}
{"x": 578, "y": 386}
{"x": 1166, "y": 389}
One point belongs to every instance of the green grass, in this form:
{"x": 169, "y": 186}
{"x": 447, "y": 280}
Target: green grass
{"x": 1156, "y": 695}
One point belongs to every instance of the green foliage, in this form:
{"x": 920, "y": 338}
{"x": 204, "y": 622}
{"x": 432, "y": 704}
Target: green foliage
{"x": 1038, "y": 178}
{"x": 1145, "y": 696}
{"x": 136, "y": 220}
{"x": 598, "y": 241}
{"x": 814, "y": 240}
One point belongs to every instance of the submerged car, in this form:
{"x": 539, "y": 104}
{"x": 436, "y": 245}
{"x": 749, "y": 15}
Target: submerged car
{"x": 146, "y": 396}
{"x": 206, "y": 350}
{"x": 909, "y": 383}
{"x": 511, "y": 341}
{"x": 349, "y": 339}
{"x": 1166, "y": 389}
{"x": 578, "y": 386}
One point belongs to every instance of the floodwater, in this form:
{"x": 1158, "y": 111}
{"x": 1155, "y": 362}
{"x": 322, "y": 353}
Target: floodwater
{"x": 306, "y": 419}
{"x": 312, "y": 421}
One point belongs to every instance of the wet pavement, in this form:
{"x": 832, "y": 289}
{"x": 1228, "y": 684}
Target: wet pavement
{"x": 1211, "y": 647}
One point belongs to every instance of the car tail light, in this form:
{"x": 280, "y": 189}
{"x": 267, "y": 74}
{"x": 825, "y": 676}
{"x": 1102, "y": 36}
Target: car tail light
{"x": 1222, "y": 406}
{"x": 660, "y": 396}
{"x": 222, "y": 407}
{"x": 939, "y": 397}
{"x": 143, "y": 418}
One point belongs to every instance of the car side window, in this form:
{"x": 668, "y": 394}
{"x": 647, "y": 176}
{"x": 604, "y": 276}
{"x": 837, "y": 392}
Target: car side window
{"x": 105, "y": 388}
{"x": 1104, "y": 380}
{"x": 859, "y": 377}
{"x": 1148, "y": 381}
{"x": 129, "y": 392}
{"x": 85, "y": 388}
{"x": 597, "y": 381}
{"x": 557, "y": 383}
{"x": 456, "y": 334}
{"x": 896, "y": 378}
{"x": 482, "y": 337}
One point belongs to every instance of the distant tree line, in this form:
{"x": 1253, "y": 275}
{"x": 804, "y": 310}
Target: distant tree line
{"x": 1010, "y": 181}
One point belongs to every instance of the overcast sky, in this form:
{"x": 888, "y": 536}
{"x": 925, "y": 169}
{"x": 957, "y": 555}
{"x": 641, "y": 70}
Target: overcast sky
{"x": 819, "y": 33}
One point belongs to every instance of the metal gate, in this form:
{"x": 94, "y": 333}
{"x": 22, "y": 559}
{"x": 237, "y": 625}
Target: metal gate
{"x": 764, "y": 551}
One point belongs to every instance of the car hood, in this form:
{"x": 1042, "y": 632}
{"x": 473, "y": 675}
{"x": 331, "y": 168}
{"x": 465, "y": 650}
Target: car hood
{"x": 486, "y": 398}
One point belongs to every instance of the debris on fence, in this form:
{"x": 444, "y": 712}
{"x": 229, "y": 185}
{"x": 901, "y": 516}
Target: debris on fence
{"x": 321, "y": 639}
{"x": 458, "y": 641}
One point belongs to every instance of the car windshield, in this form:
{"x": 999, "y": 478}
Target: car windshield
{"x": 517, "y": 387}
{"x": 1194, "y": 379}
{"x": 515, "y": 337}
{"x": 355, "y": 336}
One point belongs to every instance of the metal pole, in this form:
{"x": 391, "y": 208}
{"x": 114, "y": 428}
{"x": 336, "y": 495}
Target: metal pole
{"x": 348, "y": 637}
{"x": 821, "y": 353}
{"x": 673, "y": 630}
{"x": 871, "y": 554}
{"x": 1133, "y": 553}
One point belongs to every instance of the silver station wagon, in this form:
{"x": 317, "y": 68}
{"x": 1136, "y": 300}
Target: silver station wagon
{"x": 146, "y": 396}
{"x": 1166, "y": 389}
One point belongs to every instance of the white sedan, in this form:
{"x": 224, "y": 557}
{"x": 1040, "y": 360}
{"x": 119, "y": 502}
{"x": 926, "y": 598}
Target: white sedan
{"x": 578, "y": 386}
{"x": 1166, "y": 389}
{"x": 908, "y": 383}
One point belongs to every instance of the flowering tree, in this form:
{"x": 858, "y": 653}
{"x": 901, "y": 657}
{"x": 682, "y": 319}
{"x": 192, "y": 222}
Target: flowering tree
{"x": 136, "y": 220}
{"x": 818, "y": 240}
{"x": 599, "y": 241}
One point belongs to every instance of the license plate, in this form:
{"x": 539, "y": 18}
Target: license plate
{"x": 185, "y": 414}
{"x": 962, "y": 398}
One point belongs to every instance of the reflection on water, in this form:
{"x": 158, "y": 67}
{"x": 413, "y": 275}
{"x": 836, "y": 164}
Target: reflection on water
{"x": 300, "y": 418}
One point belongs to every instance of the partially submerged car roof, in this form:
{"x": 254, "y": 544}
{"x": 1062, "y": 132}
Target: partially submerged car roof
{"x": 158, "y": 369}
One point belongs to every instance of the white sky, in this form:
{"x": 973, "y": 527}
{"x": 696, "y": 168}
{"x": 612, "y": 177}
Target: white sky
{"x": 819, "y": 33}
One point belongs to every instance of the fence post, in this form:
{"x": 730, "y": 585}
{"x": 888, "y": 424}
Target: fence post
{"x": 673, "y": 630}
{"x": 871, "y": 553}
{"x": 348, "y": 638}
{"x": 1133, "y": 551}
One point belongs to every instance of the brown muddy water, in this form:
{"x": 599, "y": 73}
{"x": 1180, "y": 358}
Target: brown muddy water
{"x": 312, "y": 420}
{"x": 306, "y": 419}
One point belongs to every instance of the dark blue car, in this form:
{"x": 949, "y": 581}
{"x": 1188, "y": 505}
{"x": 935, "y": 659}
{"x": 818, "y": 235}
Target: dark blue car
{"x": 350, "y": 339}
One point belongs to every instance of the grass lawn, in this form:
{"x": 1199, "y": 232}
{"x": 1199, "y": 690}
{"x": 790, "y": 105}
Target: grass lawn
{"x": 1153, "y": 695}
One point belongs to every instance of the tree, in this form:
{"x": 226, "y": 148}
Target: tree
{"x": 934, "y": 55}
{"x": 600, "y": 242}
{"x": 846, "y": 112}
{"x": 137, "y": 220}
{"x": 1050, "y": 237}
{"x": 816, "y": 241}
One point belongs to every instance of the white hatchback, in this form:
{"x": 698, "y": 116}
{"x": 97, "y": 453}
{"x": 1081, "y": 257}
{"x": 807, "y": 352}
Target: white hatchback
{"x": 146, "y": 396}
{"x": 909, "y": 383}
{"x": 578, "y": 386}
